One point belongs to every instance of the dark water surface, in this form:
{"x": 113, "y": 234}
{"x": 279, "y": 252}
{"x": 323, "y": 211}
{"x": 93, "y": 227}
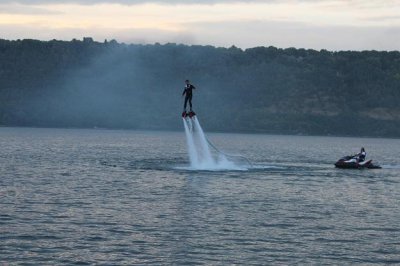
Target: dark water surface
{"x": 123, "y": 197}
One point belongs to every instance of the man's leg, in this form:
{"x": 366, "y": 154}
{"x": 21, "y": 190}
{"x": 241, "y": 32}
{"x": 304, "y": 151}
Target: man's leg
{"x": 190, "y": 102}
{"x": 186, "y": 100}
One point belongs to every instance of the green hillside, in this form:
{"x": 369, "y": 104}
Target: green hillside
{"x": 263, "y": 89}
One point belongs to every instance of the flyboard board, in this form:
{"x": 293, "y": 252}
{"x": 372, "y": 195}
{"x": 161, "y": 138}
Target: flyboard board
{"x": 188, "y": 114}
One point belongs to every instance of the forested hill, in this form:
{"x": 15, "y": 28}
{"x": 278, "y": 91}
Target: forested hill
{"x": 264, "y": 89}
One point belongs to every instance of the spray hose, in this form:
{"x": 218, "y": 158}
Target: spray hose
{"x": 190, "y": 127}
{"x": 227, "y": 155}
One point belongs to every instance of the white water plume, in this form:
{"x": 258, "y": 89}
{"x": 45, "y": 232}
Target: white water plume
{"x": 200, "y": 155}
{"x": 190, "y": 142}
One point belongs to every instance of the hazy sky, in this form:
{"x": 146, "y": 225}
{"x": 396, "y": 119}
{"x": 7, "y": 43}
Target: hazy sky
{"x": 317, "y": 24}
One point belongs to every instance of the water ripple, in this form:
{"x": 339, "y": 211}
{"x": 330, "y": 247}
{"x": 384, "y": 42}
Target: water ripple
{"x": 92, "y": 197}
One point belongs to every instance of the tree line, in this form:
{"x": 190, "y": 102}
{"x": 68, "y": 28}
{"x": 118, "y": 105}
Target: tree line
{"x": 83, "y": 83}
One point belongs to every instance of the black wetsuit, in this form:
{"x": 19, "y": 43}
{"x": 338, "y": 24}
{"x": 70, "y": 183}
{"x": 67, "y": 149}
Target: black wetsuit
{"x": 361, "y": 156}
{"x": 189, "y": 94}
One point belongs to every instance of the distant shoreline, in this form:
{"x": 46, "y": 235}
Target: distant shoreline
{"x": 208, "y": 132}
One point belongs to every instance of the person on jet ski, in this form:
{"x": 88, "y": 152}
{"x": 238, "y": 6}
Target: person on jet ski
{"x": 188, "y": 92}
{"x": 361, "y": 156}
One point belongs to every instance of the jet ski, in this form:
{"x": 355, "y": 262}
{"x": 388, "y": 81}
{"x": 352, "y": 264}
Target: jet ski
{"x": 351, "y": 162}
{"x": 188, "y": 114}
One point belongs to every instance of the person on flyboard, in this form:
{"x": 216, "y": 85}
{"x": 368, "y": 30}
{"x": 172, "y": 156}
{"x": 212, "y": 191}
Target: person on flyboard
{"x": 188, "y": 93}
